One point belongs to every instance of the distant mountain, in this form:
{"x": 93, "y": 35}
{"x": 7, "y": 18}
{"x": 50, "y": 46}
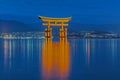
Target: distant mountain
{"x": 15, "y": 26}
{"x": 20, "y": 18}
{"x": 32, "y": 23}
{"x": 113, "y": 28}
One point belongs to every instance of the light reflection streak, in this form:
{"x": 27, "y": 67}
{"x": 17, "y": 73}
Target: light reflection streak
{"x": 10, "y": 43}
{"x": 93, "y": 46}
{"x": 55, "y": 60}
{"x": 10, "y": 52}
{"x": 28, "y": 48}
{"x": 114, "y": 49}
{"x": 23, "y": 47}
{"x": 88, "y": 50}
{"x": 32, "y": 49}
{"x": 5, "y": 52}
{"x": 13, "y": 47}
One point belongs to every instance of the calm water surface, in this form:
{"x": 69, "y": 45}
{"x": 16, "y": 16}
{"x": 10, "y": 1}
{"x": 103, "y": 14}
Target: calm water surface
{"x": 75, "y": 59}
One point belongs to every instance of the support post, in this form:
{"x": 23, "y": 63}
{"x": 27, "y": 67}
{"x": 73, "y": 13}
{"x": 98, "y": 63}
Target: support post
{"x": 63, "y": 33}
{"x": 48, "y": 33}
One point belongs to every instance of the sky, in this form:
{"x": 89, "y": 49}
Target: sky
{"x": 81, "y": 11}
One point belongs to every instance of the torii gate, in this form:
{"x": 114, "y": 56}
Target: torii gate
{"x": 62, "y": 22}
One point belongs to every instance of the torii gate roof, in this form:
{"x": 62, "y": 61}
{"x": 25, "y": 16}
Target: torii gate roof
{"x": 46, "y": 19}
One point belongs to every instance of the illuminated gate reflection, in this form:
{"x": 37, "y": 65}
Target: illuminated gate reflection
{"x": 55, "y": 60}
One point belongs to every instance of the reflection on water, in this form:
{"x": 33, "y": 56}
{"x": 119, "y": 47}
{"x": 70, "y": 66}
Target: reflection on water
{"x": 75, "y": 59}
{"x": 5, "y": 51}
{"x": 113, "y": 48}
{"x": 88, "y": 50}
{"x": 19, "y": 59}
{"x": 55, "y": 60}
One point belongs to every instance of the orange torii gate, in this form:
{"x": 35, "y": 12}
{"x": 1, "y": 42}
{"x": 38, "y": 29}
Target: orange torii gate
{"x": 62, "y": 22}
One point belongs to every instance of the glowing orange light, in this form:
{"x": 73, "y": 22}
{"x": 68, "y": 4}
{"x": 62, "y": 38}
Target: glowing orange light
{"x": 55, "y": 59}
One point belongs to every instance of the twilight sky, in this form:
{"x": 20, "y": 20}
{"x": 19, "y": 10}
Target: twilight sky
{"x": 82, "y": 11}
